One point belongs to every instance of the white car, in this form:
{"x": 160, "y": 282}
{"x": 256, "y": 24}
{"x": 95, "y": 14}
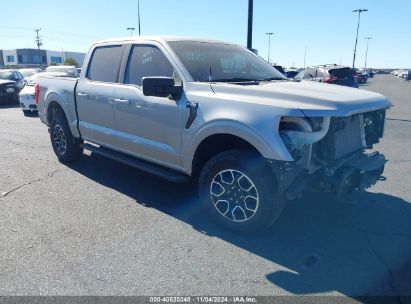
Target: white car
{"x": 27, "y": 73}
{"x": 27, "y": 101}
{"x": 403, "y": 74}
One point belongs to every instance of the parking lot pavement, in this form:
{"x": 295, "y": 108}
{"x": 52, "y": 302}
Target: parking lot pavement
{"x": 100, "y": 228}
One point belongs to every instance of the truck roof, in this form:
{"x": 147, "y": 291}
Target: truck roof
{"x": 160, "y": 39}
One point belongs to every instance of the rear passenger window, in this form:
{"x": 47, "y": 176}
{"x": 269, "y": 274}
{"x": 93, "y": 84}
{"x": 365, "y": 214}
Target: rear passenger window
{"x": 105, "y": 63}
{"x": 146, "y": 61}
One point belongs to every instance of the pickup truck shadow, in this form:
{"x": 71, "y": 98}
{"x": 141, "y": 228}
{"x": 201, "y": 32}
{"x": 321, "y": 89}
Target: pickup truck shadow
{"x": 7, "y": 105}
{"x": 322, "y": 246}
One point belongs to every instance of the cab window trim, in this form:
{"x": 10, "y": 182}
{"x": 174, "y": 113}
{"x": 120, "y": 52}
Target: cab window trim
{"x": 122, "y": 46}
{"x": 128, "y": 55}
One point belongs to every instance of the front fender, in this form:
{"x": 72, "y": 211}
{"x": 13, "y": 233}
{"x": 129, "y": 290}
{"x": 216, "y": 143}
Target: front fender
{"x": 265, "y": 140}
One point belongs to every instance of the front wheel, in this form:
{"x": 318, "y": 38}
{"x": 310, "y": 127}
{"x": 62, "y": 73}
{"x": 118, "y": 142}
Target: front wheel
{"x": 65, "y": 145}
{"x": 239, "y": 191}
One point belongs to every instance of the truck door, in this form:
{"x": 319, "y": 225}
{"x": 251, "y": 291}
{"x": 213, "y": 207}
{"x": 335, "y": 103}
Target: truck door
{"x": 148, "y": 127}
{"x": 94, "y": 95}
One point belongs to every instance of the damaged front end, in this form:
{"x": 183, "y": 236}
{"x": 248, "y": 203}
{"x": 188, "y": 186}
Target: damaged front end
{"x": 330, "y": 153}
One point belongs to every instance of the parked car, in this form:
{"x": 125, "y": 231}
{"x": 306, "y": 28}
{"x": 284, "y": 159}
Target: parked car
{"x": 397, "y": 72}
{"x": 27, "y": 95}
{"x": 279, "y": 68}
{"x": 68, "y": 70}
{"x": 371, "y": 73}
{"x": 291, "y": 74}
{"x": 361, "y": 76}
{"x": 218, "y": 114}
{"x": 11, "y": 82}
{"x": 15, "y": 75}
{"x": 332, "y": 74}
{"x": 27, "y": 73}
{"x": 403, "y": 74}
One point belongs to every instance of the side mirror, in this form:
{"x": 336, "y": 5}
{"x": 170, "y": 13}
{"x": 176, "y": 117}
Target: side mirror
{"x": 161, "y": 87}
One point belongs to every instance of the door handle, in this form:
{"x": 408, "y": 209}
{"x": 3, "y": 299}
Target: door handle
{"x": 121, "y": 101}
{"x": 82, "y": 94}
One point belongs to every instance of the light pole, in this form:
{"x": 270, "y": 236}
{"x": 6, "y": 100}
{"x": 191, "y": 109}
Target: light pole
{"x": 359, "y": 11}
{"x": 366, "y": 52}
{"x": 131, "y": 29}
{"x": 138, "y": 12}
{"x": 62, "y": 53}
{"x": 39, "y": 43}
{"x": 269, "y": 44}
{"x": 305, "y": 54}
{"x": 250, "y": 25}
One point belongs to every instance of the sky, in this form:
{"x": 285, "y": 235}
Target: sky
{"x": 326, "y": 29}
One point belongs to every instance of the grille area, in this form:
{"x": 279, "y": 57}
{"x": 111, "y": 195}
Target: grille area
{"x": 349, "y": 134}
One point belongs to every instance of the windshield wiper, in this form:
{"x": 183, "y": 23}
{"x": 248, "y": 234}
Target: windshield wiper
{"x": 236, "y": 79}
{"x": 272, "y": 78}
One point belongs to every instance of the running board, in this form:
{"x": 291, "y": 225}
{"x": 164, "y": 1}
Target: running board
{"x": 165, "y": 173}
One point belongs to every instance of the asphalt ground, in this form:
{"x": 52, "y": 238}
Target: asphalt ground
{"x": 101, "y": 228}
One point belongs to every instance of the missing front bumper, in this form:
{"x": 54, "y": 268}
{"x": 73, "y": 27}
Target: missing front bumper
{"x": 358, "y": 172}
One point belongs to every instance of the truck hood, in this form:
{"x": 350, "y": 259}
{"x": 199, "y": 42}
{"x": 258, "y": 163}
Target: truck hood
{"x": 313, "y": 99}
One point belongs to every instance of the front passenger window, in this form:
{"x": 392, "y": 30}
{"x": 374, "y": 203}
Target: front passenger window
{"x": 147, "y": 61}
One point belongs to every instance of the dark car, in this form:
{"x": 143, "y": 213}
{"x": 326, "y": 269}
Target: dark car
{"x": 9, "y": 87}
{"x": 362, "y": 77}
{"x": 331, "y": 73}
{"x": 14, "y": 75}
{"x": 291, "y": 74}
{"x": 280, "y": 69}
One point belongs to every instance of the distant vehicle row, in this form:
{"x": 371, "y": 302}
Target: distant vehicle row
{"x": 17, "y": 86}
{"x": 329, "y": 73}
{"x": 405, "y": 74}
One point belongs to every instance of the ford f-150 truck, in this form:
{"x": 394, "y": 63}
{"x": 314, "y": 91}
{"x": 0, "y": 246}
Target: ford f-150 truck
{"x": 217, "y": 114}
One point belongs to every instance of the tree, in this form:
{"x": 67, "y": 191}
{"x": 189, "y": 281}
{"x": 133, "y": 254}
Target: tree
{"x": 71, "y": 61}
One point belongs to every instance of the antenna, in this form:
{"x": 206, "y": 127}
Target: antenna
{"x": 39, "y": 42}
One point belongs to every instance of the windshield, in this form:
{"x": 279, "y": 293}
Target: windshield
{"x": 7, "y": 75}
{"x": 223, "y": 62}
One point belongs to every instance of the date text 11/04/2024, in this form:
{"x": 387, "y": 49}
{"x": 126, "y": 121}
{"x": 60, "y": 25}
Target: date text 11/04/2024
{"x": 205, "y": 299}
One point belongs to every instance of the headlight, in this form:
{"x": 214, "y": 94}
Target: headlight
{"x": 10, "y": 90}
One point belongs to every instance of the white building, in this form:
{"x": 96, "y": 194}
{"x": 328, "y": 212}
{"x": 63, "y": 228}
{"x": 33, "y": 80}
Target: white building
{"x": 32, "y": 57}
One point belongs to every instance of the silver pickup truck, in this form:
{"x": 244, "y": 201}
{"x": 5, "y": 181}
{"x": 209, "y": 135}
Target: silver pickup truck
{"x": 215, "y": 113}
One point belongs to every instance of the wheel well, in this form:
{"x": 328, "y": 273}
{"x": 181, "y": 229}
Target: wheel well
{"x": 214, "y": 145}
{"x": 53, "y": 109}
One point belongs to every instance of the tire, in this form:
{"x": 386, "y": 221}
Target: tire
{"x": 239, "y": 191}
{"x": 66, "y": 147}
{"x": 16, "y": 98}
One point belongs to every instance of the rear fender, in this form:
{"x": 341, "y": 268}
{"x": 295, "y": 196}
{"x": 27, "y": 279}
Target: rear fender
{"x": 69, "y": 111}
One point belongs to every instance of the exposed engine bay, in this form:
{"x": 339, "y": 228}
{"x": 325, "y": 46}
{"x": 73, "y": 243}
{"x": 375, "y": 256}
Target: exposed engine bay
{"x": 330, "y": 153}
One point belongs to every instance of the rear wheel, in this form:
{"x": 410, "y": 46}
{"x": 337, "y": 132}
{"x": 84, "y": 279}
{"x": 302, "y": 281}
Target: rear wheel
{"x": 239, "y": 191}
{"x": 65, "y": 145}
